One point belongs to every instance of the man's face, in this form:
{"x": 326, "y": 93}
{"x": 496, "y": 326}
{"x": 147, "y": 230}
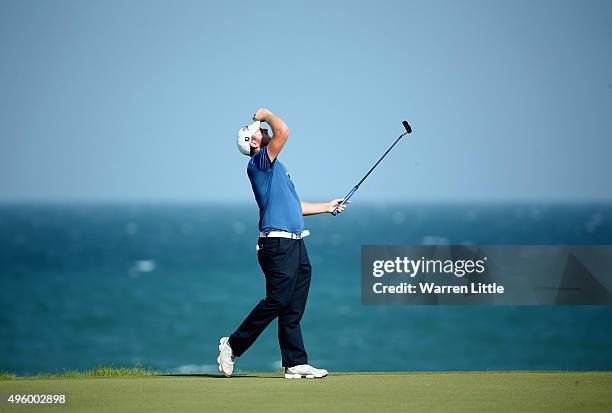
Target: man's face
{"x": 259, "y": 140}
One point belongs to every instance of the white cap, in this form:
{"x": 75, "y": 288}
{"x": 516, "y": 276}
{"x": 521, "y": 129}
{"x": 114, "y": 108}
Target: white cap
{"x": 244, "y": 137}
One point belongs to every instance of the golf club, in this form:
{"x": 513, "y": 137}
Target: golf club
{"x": 350, "y": 194}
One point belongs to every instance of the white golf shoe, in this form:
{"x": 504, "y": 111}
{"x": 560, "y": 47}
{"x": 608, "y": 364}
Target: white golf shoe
{"x": 304, "y": 371}
{"x": 226, "y": 357}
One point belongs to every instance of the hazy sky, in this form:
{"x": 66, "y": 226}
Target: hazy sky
{"x": 142, "y": 100}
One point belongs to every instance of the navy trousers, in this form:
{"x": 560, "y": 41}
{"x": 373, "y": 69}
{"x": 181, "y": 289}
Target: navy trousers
{"x": 287, "y": 269}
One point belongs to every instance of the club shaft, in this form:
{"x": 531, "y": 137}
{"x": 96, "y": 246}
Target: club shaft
{"x": 350, "y": 194}
{"x": 381, "y": 158}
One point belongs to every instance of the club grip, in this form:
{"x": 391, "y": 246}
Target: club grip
{"x": 346, "y": 198}
{"x": 335, "y": 211}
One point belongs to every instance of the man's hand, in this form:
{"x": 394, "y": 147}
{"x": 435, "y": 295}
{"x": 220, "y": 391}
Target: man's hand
{"x": 331, "y": 205}
{"x": 261, "y": 114}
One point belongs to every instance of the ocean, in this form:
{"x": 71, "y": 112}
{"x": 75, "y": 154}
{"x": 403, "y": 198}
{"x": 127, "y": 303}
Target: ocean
{"x": 89, "y": 284}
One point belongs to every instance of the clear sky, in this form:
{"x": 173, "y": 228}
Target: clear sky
{"x": 142, "y": 100}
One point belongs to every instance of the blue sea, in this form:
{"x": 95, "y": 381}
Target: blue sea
{"x": 84, "y": 284}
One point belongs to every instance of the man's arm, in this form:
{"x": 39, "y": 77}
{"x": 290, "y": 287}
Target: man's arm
{"x": 313, "y": 208}
{"x": 280, "y": 131}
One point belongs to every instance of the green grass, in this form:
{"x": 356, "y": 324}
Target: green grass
{"x": 101, "y": 371}
{"x": 143, "y": 391}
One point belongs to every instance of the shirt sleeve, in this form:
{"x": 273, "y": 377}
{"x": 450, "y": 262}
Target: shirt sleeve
{"x": 262, "y": 160}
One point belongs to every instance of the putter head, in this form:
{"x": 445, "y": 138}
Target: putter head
{"x": 407, "y": 126}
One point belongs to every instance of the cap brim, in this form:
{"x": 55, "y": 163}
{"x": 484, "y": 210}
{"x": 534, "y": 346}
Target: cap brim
{"x": 254, "y": 127}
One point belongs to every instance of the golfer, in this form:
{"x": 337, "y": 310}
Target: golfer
{"x": 280, "y": 250}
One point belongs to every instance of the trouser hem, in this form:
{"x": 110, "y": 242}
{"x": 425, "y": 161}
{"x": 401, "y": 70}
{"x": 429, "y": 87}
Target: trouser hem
{"x": 293, "y": 364}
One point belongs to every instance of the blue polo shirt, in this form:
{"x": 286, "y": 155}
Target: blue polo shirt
{"x": 279, "y": 204}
